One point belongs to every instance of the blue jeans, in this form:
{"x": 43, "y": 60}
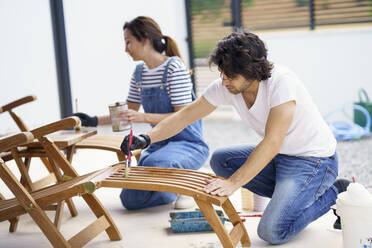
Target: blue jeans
{"x": 301, "y": 189}
{"x": 174, "y": 154}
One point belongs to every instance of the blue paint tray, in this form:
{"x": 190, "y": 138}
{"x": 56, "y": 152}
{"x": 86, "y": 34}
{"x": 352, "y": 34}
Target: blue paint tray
{"x": 191, "y": 221}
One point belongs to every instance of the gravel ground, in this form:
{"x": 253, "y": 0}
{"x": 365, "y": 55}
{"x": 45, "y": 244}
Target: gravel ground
{"x": 355, "y": 157}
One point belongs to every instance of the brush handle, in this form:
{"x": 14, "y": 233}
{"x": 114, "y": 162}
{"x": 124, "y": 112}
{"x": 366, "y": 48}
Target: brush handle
{"x": 130, "y": 143}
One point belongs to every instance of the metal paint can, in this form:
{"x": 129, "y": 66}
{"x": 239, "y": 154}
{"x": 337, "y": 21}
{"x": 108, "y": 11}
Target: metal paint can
{"x": 116, "y": 111}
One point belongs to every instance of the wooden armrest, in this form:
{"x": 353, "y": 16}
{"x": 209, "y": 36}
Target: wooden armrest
{"x": 68, "y": 122}
{"x": 17, "y": 103}
{"x": 9, "y": 142}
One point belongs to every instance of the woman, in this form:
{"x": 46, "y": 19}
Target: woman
{"x": 162, "y": 85}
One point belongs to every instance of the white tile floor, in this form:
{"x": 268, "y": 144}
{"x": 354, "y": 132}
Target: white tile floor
{"x": 149, "y": 227}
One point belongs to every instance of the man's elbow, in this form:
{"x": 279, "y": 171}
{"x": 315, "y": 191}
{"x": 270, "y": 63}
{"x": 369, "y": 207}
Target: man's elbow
{"x": 275, "y": 143}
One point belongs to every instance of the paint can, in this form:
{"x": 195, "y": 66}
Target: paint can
{"x": 116, "y": 113}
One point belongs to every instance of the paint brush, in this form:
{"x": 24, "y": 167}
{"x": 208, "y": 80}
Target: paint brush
{"x": 129, "y": 160}
{"x": 78, "y": 126}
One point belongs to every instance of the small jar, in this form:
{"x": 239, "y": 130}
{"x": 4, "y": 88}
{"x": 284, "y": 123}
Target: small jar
{"x": 116, "y": 113}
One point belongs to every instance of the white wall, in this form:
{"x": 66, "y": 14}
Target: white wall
{"x": 333, "y": 63}
{"x": 27, "y": 61}
{"x": 99, "y": 67}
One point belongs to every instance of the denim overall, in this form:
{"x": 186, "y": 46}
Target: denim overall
{"x": 186, "y": 150}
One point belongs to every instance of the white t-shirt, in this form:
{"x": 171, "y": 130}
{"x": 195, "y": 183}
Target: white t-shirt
{"x": 308, "y": 134}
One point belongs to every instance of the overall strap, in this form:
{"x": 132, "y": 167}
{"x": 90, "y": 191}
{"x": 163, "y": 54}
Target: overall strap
{"x": 138, "y": 74}
{"x": 165, "y": 74}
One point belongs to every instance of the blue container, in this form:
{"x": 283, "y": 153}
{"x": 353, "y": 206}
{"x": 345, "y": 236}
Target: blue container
{"x": 191, "y": 221}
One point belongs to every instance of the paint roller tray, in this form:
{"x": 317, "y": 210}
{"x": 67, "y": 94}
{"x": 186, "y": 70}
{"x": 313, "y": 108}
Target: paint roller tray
{"x": 191, "y": 221}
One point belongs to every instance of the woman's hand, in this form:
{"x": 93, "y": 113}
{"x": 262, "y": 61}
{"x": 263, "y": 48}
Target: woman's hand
{"x": 220, "y": 187}
{"x": 133, "y": 116}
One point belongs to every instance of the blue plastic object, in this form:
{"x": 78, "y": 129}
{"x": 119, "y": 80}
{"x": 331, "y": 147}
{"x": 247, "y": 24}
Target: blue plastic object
{"x": 191, "y": 221}
{"x": 343, "y": 130}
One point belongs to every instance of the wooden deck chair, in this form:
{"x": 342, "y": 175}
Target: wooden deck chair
{"x": 34, "y": 203}
{"x": 22, "y": 126}
{"x": 179, "y": 181}
{"x": 102, "y": 142}
{"x": 24, "y": 165}
{"x": 185, "y": 182}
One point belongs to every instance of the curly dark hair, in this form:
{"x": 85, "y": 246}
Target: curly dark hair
{"x": 242, "y": 53}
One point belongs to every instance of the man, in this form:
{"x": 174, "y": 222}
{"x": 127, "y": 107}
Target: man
{"x": 295, "y": 164}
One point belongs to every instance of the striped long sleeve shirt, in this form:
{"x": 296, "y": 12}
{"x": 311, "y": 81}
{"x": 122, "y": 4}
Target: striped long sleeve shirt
{"x": 178, "y": 83}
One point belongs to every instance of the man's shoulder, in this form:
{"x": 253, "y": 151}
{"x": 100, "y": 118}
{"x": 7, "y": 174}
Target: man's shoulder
{"x": 281, "y": 73}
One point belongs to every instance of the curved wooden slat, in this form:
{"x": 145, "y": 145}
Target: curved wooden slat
{"x": 17, "y": 103}
{"x": 69, "y": 122}
{"x": 11, "y": 141}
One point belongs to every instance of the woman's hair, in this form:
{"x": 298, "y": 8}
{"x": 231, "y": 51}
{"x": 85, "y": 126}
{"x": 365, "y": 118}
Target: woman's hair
{"x": 242, "y": 53}
{"x": 144, "y": 27}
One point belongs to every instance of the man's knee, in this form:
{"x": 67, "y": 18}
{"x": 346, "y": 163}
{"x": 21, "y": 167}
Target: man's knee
{"x": 217, "y": 159}
{"x": 272, "y": 233}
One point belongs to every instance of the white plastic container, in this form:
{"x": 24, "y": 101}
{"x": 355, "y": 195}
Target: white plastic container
{"x": 355, "y": 209}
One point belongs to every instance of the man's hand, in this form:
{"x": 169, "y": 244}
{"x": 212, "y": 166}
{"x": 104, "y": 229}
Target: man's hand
{"x": 86, "y": 120}
{"x": 138, "y": 142}
{"x": 220, "y": 187}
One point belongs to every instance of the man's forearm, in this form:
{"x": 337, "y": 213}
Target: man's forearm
{"x": 176, "y": 122}
{"x": 168, "y": 127}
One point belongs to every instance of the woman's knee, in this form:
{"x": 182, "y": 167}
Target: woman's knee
{"x": 133, "y": 199}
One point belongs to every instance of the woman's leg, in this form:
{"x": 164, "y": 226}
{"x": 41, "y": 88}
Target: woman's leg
{"x": 303, "y": 193}
{"x": 178, "y": 154}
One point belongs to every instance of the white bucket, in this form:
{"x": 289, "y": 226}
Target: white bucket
{"x": 356, "y": 224}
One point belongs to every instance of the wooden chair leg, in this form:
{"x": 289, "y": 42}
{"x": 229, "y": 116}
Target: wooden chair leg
{"x": 71, "y": 207}
{"x": 58, "y": 216}
{"x": 48, "y": 228}
{"x": 23, "y": 170}
{"x": 26, "y": 162}
{"x": 70, "y": 153}
{"x": 98, "y": 209}
{"x": 215, "y": 222}
{"x": 239, "y": 232}
{"x": 33, "y": 209}
{"x": 13, "y": 224}
{"x": 69, "y": 202}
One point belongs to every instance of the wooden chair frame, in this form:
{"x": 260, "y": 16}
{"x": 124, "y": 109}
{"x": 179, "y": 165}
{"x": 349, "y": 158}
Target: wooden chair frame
{"x": 34, "y": 203}
{"x": 180, "y": 181}
{"x": 24, "y": 166}
{"x": 101, "y": 142}
{"x": 185, "y": 182}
